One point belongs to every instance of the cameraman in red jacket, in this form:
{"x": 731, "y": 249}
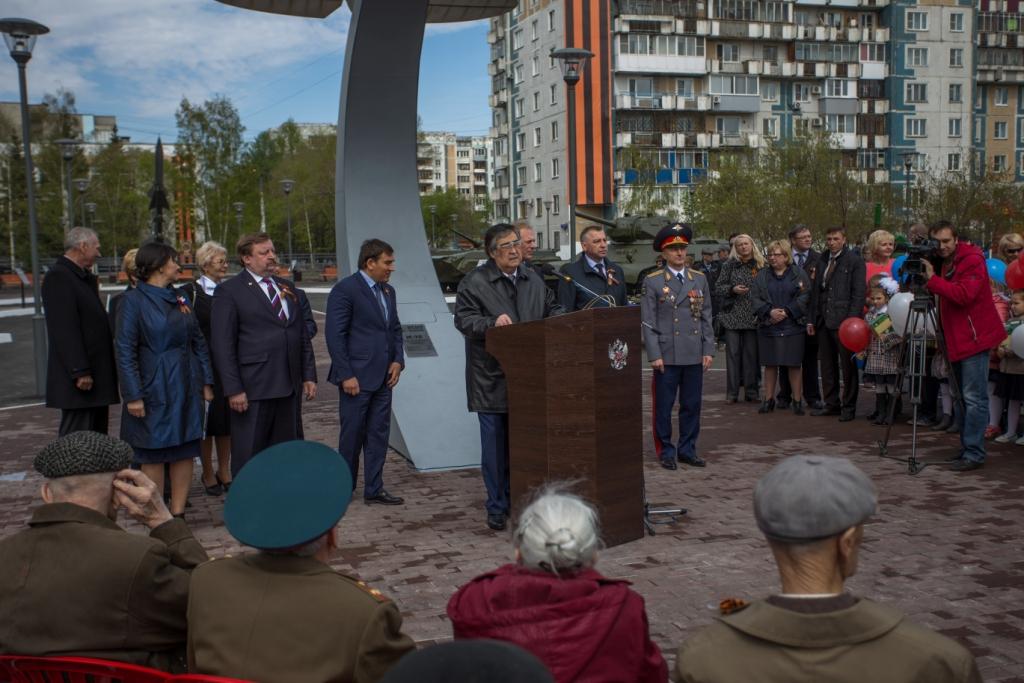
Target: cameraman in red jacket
{"x": 972, "y": 328}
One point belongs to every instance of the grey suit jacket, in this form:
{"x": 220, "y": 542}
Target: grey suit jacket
{"x": 681, "y": 314}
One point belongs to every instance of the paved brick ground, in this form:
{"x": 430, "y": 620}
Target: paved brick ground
{"x": 944, "y": 548}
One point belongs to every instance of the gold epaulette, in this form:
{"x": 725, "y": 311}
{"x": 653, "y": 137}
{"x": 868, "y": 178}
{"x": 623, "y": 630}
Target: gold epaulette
{"x": 656, "y": 273}
{"x": 376, "y": 594}
{"x": 730, "y": 605}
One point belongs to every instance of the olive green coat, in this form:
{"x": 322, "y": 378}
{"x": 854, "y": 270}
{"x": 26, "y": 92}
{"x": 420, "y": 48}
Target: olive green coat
{"x": 75, "y": 583}
{"x": 866, "y": 642}
{"x": 290, "y": 619}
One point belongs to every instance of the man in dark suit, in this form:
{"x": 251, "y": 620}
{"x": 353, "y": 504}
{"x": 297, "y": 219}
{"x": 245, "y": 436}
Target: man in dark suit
{"x": 807, "y": 258}
{"x": 364, "y": 338}
{"x": 837, "y": 293}
{"x": 594, "y": 271}
{"x": 262, "y": 351}
{"x": 81, "y": 378}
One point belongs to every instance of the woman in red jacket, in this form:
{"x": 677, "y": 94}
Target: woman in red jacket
{"x": 552, "y": 602}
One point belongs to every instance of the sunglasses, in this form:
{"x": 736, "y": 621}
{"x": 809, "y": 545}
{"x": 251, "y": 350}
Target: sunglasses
{"x": 1016, "y": 250}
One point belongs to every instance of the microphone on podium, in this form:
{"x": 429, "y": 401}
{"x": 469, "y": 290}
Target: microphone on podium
{"x": 607, "y": 299}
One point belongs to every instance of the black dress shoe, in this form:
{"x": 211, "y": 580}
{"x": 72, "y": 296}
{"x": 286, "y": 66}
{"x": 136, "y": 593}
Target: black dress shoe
{"x": 847, "y": 415}
{"x": 384, "y": 498}
{"x": 215, "y": 489}
{"x": 824, "y": 410}
{"x": 692, "y": 461}
{"x": 669, "y": 463}
{"x": 496, "y": 521}
{"x": 965, "y": 465}
{"x": 767, "y": 406}
{"x": 226, "y": 485}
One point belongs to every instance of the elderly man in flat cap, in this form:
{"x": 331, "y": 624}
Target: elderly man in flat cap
{"x": 812, "y": 510}
{"x": 282, "y": 614}
{"x": 75, "y": 583}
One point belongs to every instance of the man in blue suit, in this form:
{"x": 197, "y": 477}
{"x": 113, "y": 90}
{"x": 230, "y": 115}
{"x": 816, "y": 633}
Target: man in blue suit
{"x": 364, "y": 338}
{"x": 262, "y": 351}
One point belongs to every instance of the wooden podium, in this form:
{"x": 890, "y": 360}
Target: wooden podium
{"x": 575, "y": 410}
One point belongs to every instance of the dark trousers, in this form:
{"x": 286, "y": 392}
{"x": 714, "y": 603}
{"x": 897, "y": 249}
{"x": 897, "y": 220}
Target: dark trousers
{"x": 741, "y": 363}
{"x": 365, "y": 426}
{"x": 812, "y": 393}
{"x": 264, "y": 424}
{"x": 686, "y": 382}
{"x": 494, "y": 461}
{"x": 83, "y": 420}
{"x": 836, "y": 361}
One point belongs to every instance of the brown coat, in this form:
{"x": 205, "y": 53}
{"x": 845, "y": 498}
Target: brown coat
{"x": 865, "y": 642}
{"x": 290, "y": 619}
{"x": 75, "y": 583}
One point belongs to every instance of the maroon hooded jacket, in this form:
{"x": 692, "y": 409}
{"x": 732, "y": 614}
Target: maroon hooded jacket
{"x": 583, "y": 626}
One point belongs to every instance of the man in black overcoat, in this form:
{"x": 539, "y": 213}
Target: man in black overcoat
{"x": 81, "y": 377}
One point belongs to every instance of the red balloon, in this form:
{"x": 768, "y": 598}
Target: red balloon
{"x": 1015, "y": 275}
{"x": 1020, "y": 258}
{"x": 855, "y": 334}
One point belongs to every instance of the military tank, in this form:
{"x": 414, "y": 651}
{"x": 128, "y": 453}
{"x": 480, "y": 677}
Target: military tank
{"x": 451, "y": 265}
{"x": 631, "y": 244}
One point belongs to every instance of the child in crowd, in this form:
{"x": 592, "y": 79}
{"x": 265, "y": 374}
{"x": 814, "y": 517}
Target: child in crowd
{"x": 940, "y": 371}
{"x": 1001, "y": 300}
{"x": 1010, "y": 383}
{"x": 882, "y": 366}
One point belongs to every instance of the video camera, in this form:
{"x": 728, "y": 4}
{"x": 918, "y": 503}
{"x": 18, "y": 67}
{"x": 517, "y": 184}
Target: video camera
{"x": 913, "y": 266}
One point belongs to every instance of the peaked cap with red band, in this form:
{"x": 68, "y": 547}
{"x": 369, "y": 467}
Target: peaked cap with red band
{"x": 673, "y": 234}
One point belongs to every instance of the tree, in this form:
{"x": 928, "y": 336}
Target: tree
{"x": 645, "y": 197}
{"x": 468, "y": 220}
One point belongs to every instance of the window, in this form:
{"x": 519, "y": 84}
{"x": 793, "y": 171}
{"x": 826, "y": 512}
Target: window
{"x": 917, "y": 92}
{"x": 727, "y": 52}
{"x": 770, "y": 53}
{"x": 536, "y": 101}
{"x": 917, "y": 20}
{"x": 1002, "y": 96}
{"x": 517, "y": 40}
{"x": 872, "y": 52}
{"x": 956, "y": 56}
{"x": 517, "y": 108}
{"x": 538, "y": 171}
{"x": 690, "y": 46}
{"x": 839, "y": 88}
{"x": 641, "y": 87}
{"x": 770, "y": 92}
{"x": 979, "y": 130}
{"x": 537, "y": 137}
{"x": 556, "y": 204}
{"x": 538, "y": 205}
{"x": 534, "y": 65}
{"x": 555, "y": 170}
{"x": 916, "y": 128}
{"x": 953, "y": 128}
{"x": 553, "y": 94}
{"x": 870, "y": 158}
{"x": 727, "y": 125}
{"x": 917, "y": 56}
{"x": 551, "y": 20}
{"x": 520, "y": 176}
{"x": 533, "y": 30}
{"x": 953, "y": 161}
{"x": 554, "y": 131}
{"x": 769, "y": 127}
{"x": 999, "y": 163}
{"x": 517, "y": 73}
{"x": 662, "y": 44}
{"x": 801, "y": 92}
{"x": 732, "y": 85}
{"x": 956, "y": 23}
{"x": 684, "y": 88}
{"x": 999, "y": 130}
{"x": 955, "y": 93}
{"x": 520, "y": 142}
{"x": 841, "y": 123}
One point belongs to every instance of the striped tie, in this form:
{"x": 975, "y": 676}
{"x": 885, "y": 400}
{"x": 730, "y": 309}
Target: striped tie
{"x": 275, "y": 298}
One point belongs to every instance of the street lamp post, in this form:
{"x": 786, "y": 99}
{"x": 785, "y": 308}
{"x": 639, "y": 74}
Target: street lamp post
{"x": 239, "y": 207}
{"x": 908, "y": 165}
{"x": 547, "y": 221}
{"x": 20, "y": 36}
{"x": 455, "y": 243}
{"x": 287, "y": 185}
{"x": 433, "y": 228}
{"x": 82, "y": 184}
{"x": 67, "y": 153}
{"x": 573, "y": 62}
{"x": 90, "y": 208}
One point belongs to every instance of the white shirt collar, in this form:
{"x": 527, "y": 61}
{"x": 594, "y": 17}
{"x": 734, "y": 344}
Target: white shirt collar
{"x": 592, "y": 263}
{"x": 676, "y": 273}
{"x": 207, "y": 284}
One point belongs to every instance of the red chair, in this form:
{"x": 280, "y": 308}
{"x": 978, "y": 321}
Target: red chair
{"x": 18, "y": 669}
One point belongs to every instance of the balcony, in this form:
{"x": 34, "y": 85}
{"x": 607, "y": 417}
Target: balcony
{"x": 873, "y": 70}
{"x": 698, "y": 103}
{"x": 874, "y": 35}
{"x": 660, "y": 64}
{"x": 868, "y": 106}
{"x": 872, "y": 141}
{"x": 873, "y": 4}
{"x": 869, "y": 177}
{"x": 495, "y": 67}
{"x": 709, "y": 140}
{"x": 845, "y": 140}
{"x": 717, "y": 66}
{"x": 500, "y": 161}
{"x": 747, "y": 104}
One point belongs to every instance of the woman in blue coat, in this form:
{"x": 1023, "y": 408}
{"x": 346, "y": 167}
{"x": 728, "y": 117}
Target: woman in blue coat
{"x": 165, "y": 373}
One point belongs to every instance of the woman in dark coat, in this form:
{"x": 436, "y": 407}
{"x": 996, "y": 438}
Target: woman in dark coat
{"x": 737, "y": 317}
{"x": 165, "y": 373}
{"x": 212, "y": 259}
{"x": 779, "y": 299}
{"x": 552, "y": 602}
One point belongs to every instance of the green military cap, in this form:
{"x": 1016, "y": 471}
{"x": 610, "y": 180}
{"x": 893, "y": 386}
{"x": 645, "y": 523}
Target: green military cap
{"x": 810, "y": 497}
{"x": 83, "y": 453}
{"x": 288, "y": 495}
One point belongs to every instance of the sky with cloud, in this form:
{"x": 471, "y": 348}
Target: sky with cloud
{"x": 136, "y": 59}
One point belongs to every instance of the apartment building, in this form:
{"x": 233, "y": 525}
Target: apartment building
{"x": 932, "y": 83}
{"x": 446, "y": 160}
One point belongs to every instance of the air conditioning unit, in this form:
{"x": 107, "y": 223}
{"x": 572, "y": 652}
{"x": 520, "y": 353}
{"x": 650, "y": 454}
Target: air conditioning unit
{"x": 716, "y": 101}
{"x": 617, "y": 175}
{"x": 815, "y": 89}
{"x": 817, "y": 123}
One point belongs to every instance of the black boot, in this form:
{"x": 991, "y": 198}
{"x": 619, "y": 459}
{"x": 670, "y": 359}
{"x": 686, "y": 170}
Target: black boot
{"x": 882, "y": 402}
{"x": 767, "y": 406}
{"x": 798, "y": 408}
{"x": 874, "y": 413}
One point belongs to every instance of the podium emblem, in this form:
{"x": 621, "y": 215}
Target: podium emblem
{"x": 618, "y": 352}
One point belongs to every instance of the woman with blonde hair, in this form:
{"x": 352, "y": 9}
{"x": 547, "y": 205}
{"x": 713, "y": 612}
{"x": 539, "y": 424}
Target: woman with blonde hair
{"x": 737, "y": 317}
{"x": 878, "y": 259}
{"x": 1009, "y": 247}
{"x": 552, "y": 603}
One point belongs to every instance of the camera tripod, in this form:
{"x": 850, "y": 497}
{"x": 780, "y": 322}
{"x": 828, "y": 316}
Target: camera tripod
{"x": 913, "y": 367}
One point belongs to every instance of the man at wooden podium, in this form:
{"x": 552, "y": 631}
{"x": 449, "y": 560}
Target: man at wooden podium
{"x": 676, "y": 313}
{"x": 500, "y": 292}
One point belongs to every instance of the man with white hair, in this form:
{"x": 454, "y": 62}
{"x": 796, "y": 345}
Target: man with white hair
{"x": 812, "y": 510}
{"x": 75, "y": 583}
{"x": 81, "y": 377}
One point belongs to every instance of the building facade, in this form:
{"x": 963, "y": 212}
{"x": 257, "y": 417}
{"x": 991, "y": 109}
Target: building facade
{"x": 466, "y": 163}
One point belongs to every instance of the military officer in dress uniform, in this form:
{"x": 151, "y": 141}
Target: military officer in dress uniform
{"x": 676, "y": 312}
{"x": 286, "y": 502}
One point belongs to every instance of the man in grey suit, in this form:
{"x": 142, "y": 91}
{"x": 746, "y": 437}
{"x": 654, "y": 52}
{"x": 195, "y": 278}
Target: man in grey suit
{"x": 676, "y": 313}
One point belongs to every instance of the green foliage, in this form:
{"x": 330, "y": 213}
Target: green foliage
{"x": 645, "y": 197}
{"x": 452, "y": 210}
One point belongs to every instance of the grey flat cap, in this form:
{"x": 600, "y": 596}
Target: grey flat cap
{"x": 808, "y": 497}
{"x": 83, "y": 453}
